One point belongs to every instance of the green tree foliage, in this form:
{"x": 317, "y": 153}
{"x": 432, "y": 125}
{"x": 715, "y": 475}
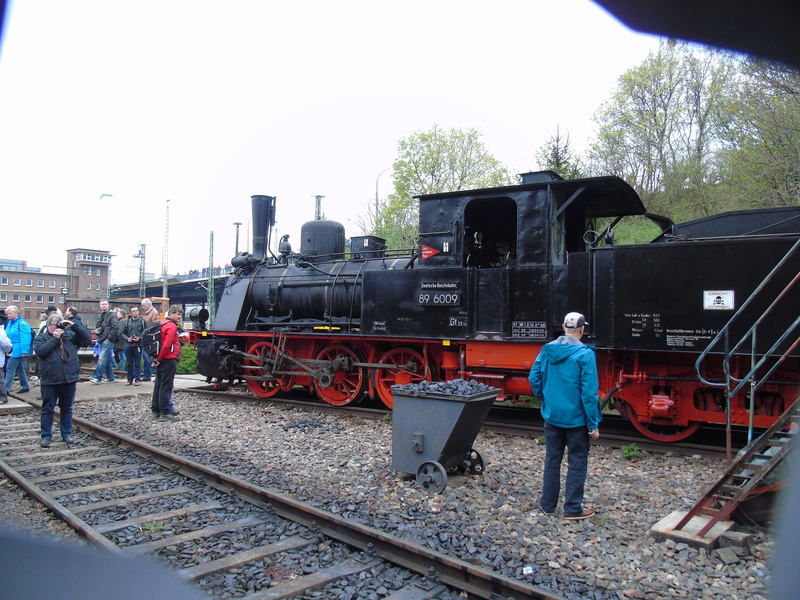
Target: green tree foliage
{"x": 761, "y": 165}
{"x": 434, "y": 161}
{"x": 557, "y": 155}
{"x": 662, "y": 129}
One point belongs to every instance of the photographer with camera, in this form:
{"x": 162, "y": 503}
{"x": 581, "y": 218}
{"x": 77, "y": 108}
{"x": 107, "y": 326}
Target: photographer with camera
{"x": 59, "y": 371}
{"x": 131, "y": 332}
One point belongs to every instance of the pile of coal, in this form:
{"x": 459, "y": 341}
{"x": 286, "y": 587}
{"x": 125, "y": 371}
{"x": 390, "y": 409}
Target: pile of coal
{"x": 454, "y": 387}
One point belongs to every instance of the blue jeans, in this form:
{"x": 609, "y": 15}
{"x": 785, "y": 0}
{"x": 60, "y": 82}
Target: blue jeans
{"x": 576, "y": 441}
{"x": 133, "y": 356}
{"x": 148, "y": 364}
{"x": 64, "y": 395}
{"x": 104, "y": 360}
{"x": 16, "y": 366}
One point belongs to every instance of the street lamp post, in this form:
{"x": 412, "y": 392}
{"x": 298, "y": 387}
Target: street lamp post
{"x": 238, "y": 224}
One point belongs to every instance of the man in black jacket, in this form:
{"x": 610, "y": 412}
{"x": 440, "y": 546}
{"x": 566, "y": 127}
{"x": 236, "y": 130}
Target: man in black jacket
{"x": 107, "y": 332}
{"x": 132, "y": 331}
{"x": 59, "y": 371}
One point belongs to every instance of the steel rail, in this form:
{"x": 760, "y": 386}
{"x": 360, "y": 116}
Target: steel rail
{"x": 73, "y": 520}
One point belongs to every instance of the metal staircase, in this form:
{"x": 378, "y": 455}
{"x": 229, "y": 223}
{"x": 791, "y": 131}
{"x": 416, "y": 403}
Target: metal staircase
{"x": 760, "y": 457}
{"x": 749, "y": 469}
{"x": 761, "y": 367}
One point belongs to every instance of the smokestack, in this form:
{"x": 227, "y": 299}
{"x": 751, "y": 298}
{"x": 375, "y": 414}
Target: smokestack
{"x": 263, "y": 220}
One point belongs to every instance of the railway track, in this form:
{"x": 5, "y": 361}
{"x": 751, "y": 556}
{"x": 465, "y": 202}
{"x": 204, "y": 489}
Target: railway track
{"x": 221, "y": 532}
{"x": 510, "y": 420}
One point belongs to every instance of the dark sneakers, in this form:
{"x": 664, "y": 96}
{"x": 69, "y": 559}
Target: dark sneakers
{"x": 45, "y": 442}
{"x": 170, "y": 417}
{"x": 68, "y": 439}
{"x": 587, "y": 512}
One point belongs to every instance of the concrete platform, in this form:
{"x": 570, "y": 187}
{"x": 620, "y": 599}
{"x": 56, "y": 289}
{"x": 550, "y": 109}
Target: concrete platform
{"x": 93, "y": 392}
{"x": 14, "y": 406}
{"x": 664, "y": 529}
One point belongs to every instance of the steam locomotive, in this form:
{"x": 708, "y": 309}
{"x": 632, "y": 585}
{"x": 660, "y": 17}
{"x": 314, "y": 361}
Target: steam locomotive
{"x": 679, "y": 324}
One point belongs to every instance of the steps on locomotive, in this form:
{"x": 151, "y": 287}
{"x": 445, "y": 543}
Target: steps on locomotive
{"x": 746, "y": 476}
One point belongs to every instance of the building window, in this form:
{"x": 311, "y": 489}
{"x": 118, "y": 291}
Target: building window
{"x": 93, "y": 257}
{"x": 51, "y": 299}
{"x": 3, "y": 297}
{"x": 27, "y": 297}
{"x": 40, "y": 283}
{"x": 89, "y": 286}
{"x": 29, "y": 283}
{"x": 87, "y": 270}
{"x": 63, "y": 284}
{"x": 39, "y": 298}
{"x": 97, "y": 286}
{"x": 15, "y": 298}
{"x": 17, "y": 281}
{"x": 97, "y": 271}
{"x": 52, "y": 283}
{"x": 4, "y": 280}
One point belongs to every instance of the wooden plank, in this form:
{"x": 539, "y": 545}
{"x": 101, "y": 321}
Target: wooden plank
{"x": 76, "y": 474}
{"x": 206, "y": 532}
{"x": 420, "y": 590}
{"x": 314, "y": 581}
{"x": 178, "y": 512}
{"x": 68, "y": 463}
{"x": 50, "y": 452}
{"x": 82, "y": 508}
{"x": 236, "y": 560}
{"x": 107, "y": 485}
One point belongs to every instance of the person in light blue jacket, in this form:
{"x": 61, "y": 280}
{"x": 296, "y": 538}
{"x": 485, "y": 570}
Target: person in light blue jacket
{"x": 20, "y": 334}
{"x": 564, "y": 378}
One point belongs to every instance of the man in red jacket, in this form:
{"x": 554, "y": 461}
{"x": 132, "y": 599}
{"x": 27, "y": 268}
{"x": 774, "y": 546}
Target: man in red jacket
{"x": 166, "y": 363}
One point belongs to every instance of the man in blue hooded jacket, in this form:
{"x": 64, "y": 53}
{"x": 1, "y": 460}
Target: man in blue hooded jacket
{"x": 564, "y": 378}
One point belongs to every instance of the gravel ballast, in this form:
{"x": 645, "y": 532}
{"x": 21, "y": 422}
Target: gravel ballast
{"x": 344, "y": 465}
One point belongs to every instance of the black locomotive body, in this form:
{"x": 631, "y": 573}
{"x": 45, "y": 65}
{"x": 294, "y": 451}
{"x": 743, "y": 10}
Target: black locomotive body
{"x": 494, "y": 272}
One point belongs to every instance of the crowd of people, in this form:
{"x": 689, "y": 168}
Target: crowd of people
{"x": 203, "y": 273}
{"x": 118, "y": 345}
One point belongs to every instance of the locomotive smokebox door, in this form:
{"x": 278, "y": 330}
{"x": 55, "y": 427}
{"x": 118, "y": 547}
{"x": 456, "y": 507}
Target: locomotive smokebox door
{"x": 434, "y": 427}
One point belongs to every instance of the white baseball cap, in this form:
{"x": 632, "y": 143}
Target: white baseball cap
{"x": 574, "y": 320}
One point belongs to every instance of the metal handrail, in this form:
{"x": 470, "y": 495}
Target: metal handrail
{"x": 731, "y": 384}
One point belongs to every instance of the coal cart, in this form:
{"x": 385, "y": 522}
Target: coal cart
{"x": 435, "y": 425}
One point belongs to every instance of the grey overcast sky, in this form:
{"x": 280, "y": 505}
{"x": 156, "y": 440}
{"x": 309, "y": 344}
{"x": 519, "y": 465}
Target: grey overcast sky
{"x": 207, "y": 103}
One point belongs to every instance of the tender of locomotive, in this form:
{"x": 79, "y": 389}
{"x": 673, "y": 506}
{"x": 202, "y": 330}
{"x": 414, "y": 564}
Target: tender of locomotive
{"x": 493, "y": 274}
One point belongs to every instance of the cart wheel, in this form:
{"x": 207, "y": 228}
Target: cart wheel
{"x": 432, "y": 476}
{"x": 472, "y": 463}
{"x": 386, "y": 377}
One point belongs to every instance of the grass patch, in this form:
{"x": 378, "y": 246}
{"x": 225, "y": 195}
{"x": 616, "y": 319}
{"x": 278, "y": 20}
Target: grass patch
{"x": 630, "y": 451}
{"x": 153, "y": 527}
{"x": 187, "y": 363}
